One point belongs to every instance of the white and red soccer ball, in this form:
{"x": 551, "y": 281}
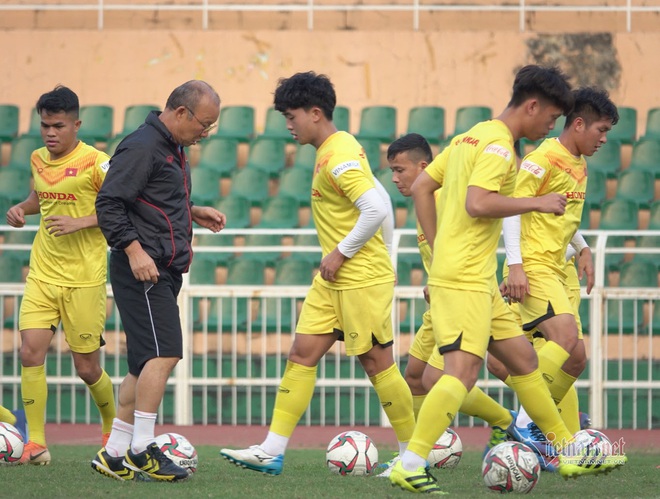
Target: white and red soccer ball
{"x": 352, "y": 453}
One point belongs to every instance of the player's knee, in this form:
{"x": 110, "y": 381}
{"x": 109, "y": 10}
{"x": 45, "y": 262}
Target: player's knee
{"x": 89, "y": 372}
{"x": 496, "y": 368}
{"x": 32, "y": 356}
{"x": 414, "y": 382}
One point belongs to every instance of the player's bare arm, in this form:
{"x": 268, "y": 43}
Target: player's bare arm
{"x": 61, "y": 225}
{"x": 482, "y": 203}
{"x": 209, "y": 218}
{"x": 16, "y": 214}
{"x": 423, "y": 190}
{"x": 331, "y": 264}
{"x": 143, "y": 266}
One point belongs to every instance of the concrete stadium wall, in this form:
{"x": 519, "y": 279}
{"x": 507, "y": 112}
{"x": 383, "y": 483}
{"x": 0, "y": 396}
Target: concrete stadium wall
{"x": 401, "y": 67}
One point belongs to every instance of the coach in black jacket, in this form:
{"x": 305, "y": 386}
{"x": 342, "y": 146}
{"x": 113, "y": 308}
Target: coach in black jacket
{"x": 145, "y": 213}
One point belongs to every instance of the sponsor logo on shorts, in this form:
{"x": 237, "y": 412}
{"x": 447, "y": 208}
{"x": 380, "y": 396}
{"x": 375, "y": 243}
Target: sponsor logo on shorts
{"x": 86, "y": 336}
{"x": 533, "y": 168}
{"x": 499, "y": 150}
{"x": 338, "y": 170}
{"x": 353, "y": 335}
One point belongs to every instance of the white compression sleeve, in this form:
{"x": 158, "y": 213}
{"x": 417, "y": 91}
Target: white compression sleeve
{"x": 372, "y": 213}
{"x": 388, "y": 223}
{"x": 511, "y": 230}
{"x": 578, "y": 242}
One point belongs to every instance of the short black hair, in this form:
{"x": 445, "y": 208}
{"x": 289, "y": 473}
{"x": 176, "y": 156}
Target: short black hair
{"x": 304, "y": 91}
{"x": 60, "y": 99}
{"x": 189, "y": 94}
{"x": 592, "y": 104}
{"x": 548, "y": 84}
{"x": 413, "y": 143}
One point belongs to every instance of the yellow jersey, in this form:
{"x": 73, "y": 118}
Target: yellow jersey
{"x": 68, "y": 187}
{"x": 464, "y": 256}
{"x": 424, "y": 247}
{"x": 341, "y": 175}
{"x": 544, "y": 237}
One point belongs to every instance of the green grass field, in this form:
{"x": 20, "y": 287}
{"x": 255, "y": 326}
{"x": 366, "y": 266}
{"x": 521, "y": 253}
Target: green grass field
{"x": 305, "y": 476}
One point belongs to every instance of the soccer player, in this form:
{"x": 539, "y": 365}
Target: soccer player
{"x": 16, "y": 418}
{"x": 146, "y": 215}
{"x": 67, "y": 278}
{"x": 537, "y": 244}
{"x": 408, "y": 156}
{"x": 477, "y": 172}
{"x": 351, "y": 297}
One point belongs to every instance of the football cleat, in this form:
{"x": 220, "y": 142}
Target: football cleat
{"x": 254, "y": 458}
{"x": 498, "y": 435}
{"x": 154, "y": 465}
{"x": 113, "y": 467}
{"x": 387, "y": 466}
{"x": 585, "y": 421}
{"x": 532, "y": 436}
{"x": 34, "y": 453}
{"x": 588, "y": 463}
{"x": 419, "y": 481}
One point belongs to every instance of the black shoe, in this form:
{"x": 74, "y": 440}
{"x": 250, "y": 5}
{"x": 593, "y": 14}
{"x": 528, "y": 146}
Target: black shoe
{"x": 113, "y": 467}
{"x": 155, "y": 465}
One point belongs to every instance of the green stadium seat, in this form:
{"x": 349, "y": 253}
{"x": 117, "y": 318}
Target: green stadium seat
{"x": 296, "y": 183}
{"x": 652, "y": 124}
{"x": 205, "y": 186}
{"x": 654, "y": 218}
{"x": 305, "y": 157}
{"x": 636, "y": 185}
{"x": 219, "y": 154}
{"x": 372, "y": 150}
{"x": 202, "y": 271}
{"x": 250, "y": 183}
{"x": 134, "y": 116}
{"x": 112, "y": 144}
{"x": 585, "y": 221}
{"x": 413, "y": 258}
{"x": 428, "y": 121}
{"x": 413, "y": 318}
{"x": 293, "y": 272}
{"x": 219, "y": 258}
{"x": 236, "y": 122}
{"x": 8, "y": 122}
{"x": 596, "y": 188}
{"x": 97, "y": 122}
{"x": 279, "y": 212}
{"x": 377, "y": 122}
{"x": 625, "y": 314}
{"x": 11, "y": 267}
{"x": 14, "y": 184}
{"x": 649, "y": 242}
{"x": 314, "y": 257}
{"x": 34, "y": 128}
{"x": 618, "y": 214}
{"x": 21, "y": 151}
{"x": 385, "y": 178}
{"x": 468, "y": 116}
{"x": 275, "y": 127}
{"x": 646, "y": 155}
{"x": 403, "y": 273}
{"x": 266, "y": 258}
{"x": 626, "y": 129}
{"x": 411, "y": 216}
{"x": 558, "y": 128}
{"x": 607, "y": 159}
{"x": 268, "y": 155}
{"x": 237, "y": 210}
{"x": 585, "y": 319}
{"x": 21, "y": 237}
{"x": 341, "y": 117}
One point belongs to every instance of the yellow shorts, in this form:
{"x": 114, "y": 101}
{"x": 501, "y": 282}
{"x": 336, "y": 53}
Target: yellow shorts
{"x": 424, "y": 343}
{"x": 362, "y": 317}
{"x": 468, "y": 320}
{"x": 548, "y": 297}
{"x": 575, "y": 297}
{"x": 437, "y": 360}
{"x": 81, "y": 311}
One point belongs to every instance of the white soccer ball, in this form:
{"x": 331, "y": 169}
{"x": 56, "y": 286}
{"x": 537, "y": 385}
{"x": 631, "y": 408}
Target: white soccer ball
{"x": 589, "y": 444}
{"x": 351, "y": 453}
{"x": 11, "y": 444}
{"x": 447, "y": 451}
{"x": 510, "y": 467}
{"x": 179, "y": 450}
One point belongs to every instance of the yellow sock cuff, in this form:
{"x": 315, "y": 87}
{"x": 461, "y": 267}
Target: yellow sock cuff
{"x": 30, "y": 373}
{"x": 507, "y": 381}
{"x": 294, "y": 394}
{"x": 378, "y": 378}
{"x": 418, "y": 400}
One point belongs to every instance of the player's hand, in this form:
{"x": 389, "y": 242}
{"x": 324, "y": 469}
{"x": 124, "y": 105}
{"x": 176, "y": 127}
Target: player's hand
{"x": 517, "y": 283}
{"x": 209, "y": 218}
{"x": 504, "y": 290}
{"x": 142, "y": 265}
{"x": 16, "y": 216}
{"x": 330, "y": 265}
{"x": 61, "y": 225}
{"x": 585, "y": 265}
{"x": 427, "y": 296}
{"x": 552, "y": 203}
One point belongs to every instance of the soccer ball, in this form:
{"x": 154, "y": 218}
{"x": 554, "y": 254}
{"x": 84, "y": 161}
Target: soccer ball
{"x": 510, "y": 467}
{"x": 447, "y": 451}
{"x": 179, "y": 450}
{"x": 11, "y": 444}
{"x": 351, "y": 453}
{"x": 592, "y": 443}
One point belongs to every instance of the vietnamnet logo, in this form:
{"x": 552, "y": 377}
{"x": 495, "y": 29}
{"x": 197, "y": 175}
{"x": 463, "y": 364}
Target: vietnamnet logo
{"x": 57, "y": 196}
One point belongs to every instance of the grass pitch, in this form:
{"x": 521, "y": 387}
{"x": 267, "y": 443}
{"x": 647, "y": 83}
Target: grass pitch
{"x": 305, "y": 476}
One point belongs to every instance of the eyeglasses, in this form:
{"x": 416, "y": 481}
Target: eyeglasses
{"x": 206, "y": 128}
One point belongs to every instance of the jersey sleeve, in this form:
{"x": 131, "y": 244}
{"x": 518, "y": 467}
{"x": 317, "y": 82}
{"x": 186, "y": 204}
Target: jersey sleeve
{"x": 436, "y": 169}
{"x": 492, "y": 166}
{"x": 349, "y": 178}
{"x": 531, "y": 177}
{"x": 100, "y": 169}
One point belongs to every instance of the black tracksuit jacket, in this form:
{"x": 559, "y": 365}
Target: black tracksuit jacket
{"x": 146, "y": 196}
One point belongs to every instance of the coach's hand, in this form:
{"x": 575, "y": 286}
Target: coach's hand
{"x": 143, "y": 266}
{"x": 330, "y": 265}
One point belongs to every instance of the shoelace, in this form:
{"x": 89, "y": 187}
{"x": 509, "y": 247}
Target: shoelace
{"x": 537, "y": 434}
{"x": 497, "y": 436}
{"x": 158, "y": 455}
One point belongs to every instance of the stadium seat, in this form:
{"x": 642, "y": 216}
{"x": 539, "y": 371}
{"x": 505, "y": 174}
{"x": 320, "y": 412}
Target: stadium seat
{"x": 293, "y": 272}
{"x": 626, "y": 129}
{"x": 377, "y": 122}
{"x": 296, "y": 183}
{"x": 646, "y": 155}
{"x": 21, "y": 151}
{"x": 413, "y": 319}
{"x": 305, "y": 157}
{"x": 237, "y": 210}
{"x": 236, "y": 122}
{"x": 412, "y": 258}
{"x": 468, "y": 116}
{"x": 654, "y": 218}
{"x": 14, "y": 184}
{"x": 112, "y": 144}
{"x": 596, "y": 188}
{"x": 266, "y": 258}
{"x": 617, "y": 214}
{"x": 652, "y": 131}
{"x": 625, "y": 314}
{"x": 275, "y": 127}
{"x": 205, "y": 186}
{"x": 585, "y": 221}
{"x": 34, "y": 129}
{"x": 341, "y": 118}
{"x": 636, "y": 185}
{"x": 96, "y": 122}
{"x": 220, "y": 155}
{"x": 134, "y": 116}
{"x": 202, "y": 271}
{"x": 607, "y": 159}
{"x": 8, "y": 122}
{"x": 250, "y": 183}
{"x": 403, "y": 273}
{"x": 313, "y": 257}
{"x": 11, "y": 267}
{"x": 649, "y": 242}
{"x": 268, "y": 155}
{"x": 385, "y": 178}
{"x": 585, "y": 319}
{"x": 411, "y": 216}
{"x": 279, "y": 212}
{"x": 372, "y": 150}
{"x": 219, "y": 258}
{"x": 428, "y": 121}
{"x": 20, "y": 237}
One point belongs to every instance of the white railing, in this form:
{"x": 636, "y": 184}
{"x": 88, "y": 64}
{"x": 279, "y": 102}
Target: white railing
{"x": 230, "y": 371}
{"x": 204, "y": 8}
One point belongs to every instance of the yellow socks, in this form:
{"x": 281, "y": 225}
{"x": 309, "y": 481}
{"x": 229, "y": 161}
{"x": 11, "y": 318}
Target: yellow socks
{"x": 551, "y": 357}
{"x": 104, "y": 397}
{"x": 569, "y": 407}
{"x": 480, "y": 405}
{"x": 293, "y": 397}
{"x": 35, "y": 394}
{"x": 418, "y": 400}
{"x": 396, "y": 400}
{"x": 6, "y": 416}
